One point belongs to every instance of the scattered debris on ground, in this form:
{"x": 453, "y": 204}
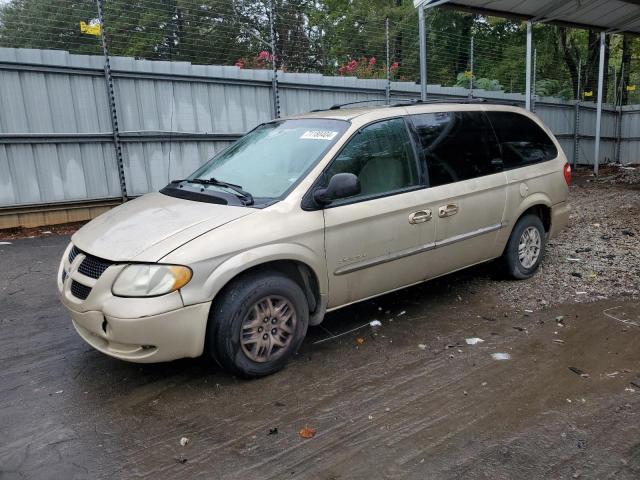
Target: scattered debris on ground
{"x": 23, "y": 232}
{"x": 307, "y": 432}
{"x": 618, "y": 174}
{"x": 579, "y": 372}
{"x": 500, "y": 356}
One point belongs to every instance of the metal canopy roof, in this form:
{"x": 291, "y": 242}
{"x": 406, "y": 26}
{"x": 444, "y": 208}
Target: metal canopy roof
{"x": 614, "y": 16}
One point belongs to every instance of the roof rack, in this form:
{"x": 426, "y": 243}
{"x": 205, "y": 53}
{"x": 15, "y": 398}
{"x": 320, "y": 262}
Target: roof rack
{"x": 338, "y": 106}
{"x": 417, "y": 101}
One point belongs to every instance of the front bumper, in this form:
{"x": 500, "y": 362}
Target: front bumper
{"x": 157, "y": 338}
{"x": 145, "y": 330}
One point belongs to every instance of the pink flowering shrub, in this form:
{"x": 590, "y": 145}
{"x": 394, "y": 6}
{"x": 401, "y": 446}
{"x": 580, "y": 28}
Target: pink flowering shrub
{"x": 367, "y": 68}
{"x": 263, "y": 60}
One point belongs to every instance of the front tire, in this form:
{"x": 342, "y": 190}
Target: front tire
{"x": 258, "y": 322}
{"x": 525, "y": 248}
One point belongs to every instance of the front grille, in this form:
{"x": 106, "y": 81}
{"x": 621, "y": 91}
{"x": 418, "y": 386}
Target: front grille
{"x": 94, "y": 267}
{"x": 73, "y": 253}
{"x": 64, "y": 275}
{"x": 80, "y": 291}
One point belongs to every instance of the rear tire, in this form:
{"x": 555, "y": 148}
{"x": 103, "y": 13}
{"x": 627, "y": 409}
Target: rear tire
{"x": 257, "y": 323}
{"x": 525, "y": 248}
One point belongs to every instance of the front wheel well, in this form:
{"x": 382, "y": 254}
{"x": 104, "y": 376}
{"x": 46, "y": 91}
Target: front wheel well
{"x": 297, "y": 271}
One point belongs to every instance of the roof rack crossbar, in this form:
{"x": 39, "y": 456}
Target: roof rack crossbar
{"x": 417, "y": 101}
{"x": 338, "y": 106}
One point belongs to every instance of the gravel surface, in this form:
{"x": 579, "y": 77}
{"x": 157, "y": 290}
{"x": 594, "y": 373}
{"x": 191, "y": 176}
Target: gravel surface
{"x": 619, "y": 175}
{"x": 596, "y": 257}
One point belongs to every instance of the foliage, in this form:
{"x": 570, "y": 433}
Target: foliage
{"x": 367, "y": 68}
{"x": 464, "y": 80}
{"x": 325, "y": 36}
{"x": 549, "y": 87}
{"x": 264, "y": 60}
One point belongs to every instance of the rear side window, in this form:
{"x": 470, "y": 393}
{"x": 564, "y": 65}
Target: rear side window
{"x": 522, "y": 140}
{"x": 456, "y": 146}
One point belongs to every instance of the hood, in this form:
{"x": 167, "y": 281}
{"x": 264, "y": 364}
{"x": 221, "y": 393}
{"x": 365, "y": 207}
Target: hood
{"x": 148, "y": 228}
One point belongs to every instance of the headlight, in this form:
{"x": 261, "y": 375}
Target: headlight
{"x": 140, "y": 280}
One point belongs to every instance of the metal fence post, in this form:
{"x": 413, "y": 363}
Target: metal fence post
{"x": 423, "y": 53}
{"x": 112, "y": 102}
{"x": 576, "y": 122}
{"x": 619, "y": 116}
{"x": 388, "y": 87}
{"x": 471, "y": 69}
{"x": 533, "y": 81}
{"x": 528, "y": 66}
{"x": 596, "y": 153}
{"x": 274, "y": 77}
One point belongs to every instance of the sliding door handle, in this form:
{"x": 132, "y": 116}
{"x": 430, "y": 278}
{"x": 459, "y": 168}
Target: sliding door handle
{"x": 448, "y": 210}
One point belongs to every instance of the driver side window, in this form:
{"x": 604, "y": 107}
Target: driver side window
{"x": 381, "y": 156}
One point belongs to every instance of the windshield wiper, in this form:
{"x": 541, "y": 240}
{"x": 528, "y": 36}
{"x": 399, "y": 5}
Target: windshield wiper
{"x": 245, "y": 196}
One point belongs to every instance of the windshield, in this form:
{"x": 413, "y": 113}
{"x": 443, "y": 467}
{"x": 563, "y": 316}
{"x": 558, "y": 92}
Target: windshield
{"x": 270, "y": 159}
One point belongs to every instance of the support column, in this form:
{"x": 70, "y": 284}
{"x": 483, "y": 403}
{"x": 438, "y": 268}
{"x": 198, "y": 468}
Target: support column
{"x": 387, "y": 90}
{"x": 111, "y": 94}
{"x": 471, "y": 69}
{"x": 423, "y": 53}
{"x": 576, "y": 122}
{"x": 528, "y": 66}
{"x": 274, "y": 63}
{"x": 596, "y": 159}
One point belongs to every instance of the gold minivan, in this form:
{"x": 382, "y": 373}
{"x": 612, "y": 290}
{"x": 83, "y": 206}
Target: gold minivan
{"x": 305, "y": 215}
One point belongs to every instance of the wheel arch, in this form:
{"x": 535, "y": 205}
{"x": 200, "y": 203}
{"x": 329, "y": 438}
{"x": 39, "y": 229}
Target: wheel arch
{"x": 294, "y": 261}
{"x": 540, "y": 205}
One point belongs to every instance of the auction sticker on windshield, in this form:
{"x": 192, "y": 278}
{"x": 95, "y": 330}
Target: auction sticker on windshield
{"x": 319, "y": 135}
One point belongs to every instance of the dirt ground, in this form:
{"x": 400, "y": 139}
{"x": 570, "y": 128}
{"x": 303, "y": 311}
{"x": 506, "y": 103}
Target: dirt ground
{"x": 410, "y": 400}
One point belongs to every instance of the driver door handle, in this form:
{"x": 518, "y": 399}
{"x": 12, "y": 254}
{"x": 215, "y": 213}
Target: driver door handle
{"x": 420, "y": 216}
{"x": 448, "y": 210}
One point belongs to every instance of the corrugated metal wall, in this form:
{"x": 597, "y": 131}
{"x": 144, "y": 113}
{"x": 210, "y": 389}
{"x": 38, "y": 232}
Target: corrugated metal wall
{"x": 56, "y": 135}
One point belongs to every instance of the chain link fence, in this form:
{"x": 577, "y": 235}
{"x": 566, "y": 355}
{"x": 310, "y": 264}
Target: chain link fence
{"x": 185, "y": 78}
{"x": 366, "y": 39}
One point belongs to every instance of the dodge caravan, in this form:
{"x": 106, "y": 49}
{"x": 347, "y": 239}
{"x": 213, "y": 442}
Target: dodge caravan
{"x": 305, "y": 215}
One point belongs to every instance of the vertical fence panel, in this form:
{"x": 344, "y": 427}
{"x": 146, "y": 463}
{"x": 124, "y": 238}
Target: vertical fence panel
{"x": 56, "y": 137}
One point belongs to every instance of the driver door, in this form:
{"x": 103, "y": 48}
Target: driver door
{"x": 380, "y": 239}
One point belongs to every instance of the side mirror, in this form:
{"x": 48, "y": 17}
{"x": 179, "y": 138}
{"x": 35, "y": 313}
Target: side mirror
{"x": 341, "y": 185}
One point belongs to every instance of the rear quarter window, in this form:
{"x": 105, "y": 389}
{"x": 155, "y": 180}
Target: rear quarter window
{"x": 522, "y": 141}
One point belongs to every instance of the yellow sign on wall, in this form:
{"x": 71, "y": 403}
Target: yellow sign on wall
{"x": 631, "y": 88}
{"x": 588, "y": 94}
{"x": 91, "y": 29}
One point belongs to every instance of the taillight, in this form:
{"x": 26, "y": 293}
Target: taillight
{"x": 567, "y": 173}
